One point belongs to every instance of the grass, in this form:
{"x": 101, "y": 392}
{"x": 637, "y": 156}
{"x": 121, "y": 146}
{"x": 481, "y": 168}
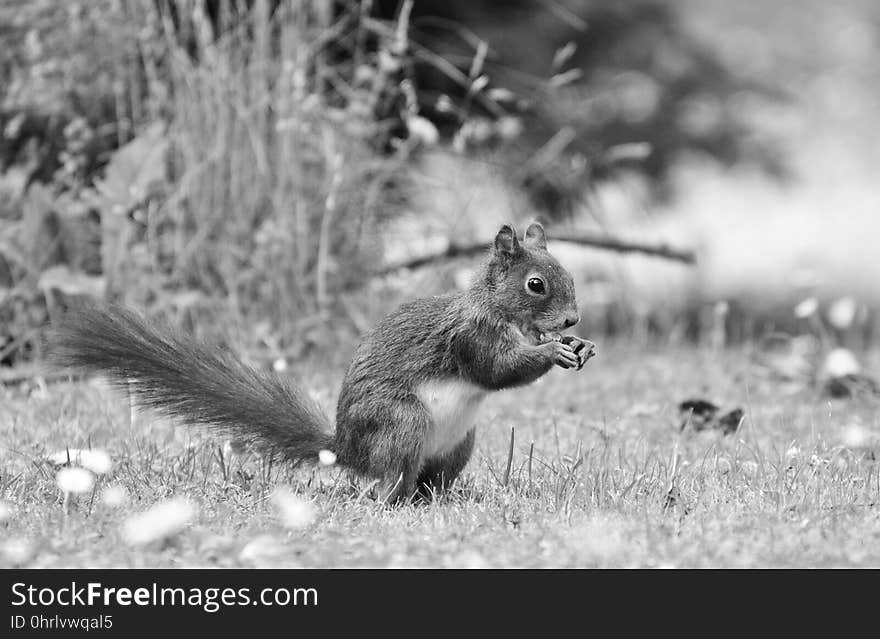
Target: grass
{"x": 600, "y": 476}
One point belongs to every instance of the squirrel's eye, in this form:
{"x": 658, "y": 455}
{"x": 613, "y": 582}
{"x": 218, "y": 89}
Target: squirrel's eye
{"x": 536, "y": 285}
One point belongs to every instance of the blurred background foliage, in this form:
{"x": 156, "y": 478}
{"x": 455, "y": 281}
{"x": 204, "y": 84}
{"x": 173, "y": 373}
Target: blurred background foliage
{"x": 242, "y": 167}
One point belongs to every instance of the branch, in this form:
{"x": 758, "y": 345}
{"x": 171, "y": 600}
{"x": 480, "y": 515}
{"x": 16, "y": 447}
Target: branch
{"x": 29, "y": 372}
{"x": 622, "y": 246}
{"x": 584, "y": 239}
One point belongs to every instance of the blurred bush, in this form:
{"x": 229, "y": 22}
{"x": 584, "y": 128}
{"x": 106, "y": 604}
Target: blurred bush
{"x": 232, "y": 163}
{"x": 600, "y": 86}
{"x": 242, "y": 178}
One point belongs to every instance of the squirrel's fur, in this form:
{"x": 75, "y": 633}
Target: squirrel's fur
{"x": 424, "y": 367}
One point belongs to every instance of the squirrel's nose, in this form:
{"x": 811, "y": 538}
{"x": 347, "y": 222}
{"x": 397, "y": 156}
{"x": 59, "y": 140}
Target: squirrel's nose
{"x": 571, "y": 319}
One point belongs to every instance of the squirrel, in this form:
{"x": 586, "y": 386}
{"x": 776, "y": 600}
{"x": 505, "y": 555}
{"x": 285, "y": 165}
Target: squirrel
{"x": 406, "y": 406}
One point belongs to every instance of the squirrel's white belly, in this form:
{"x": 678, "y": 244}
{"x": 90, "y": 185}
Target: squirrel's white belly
{"x": 452, "y": 404}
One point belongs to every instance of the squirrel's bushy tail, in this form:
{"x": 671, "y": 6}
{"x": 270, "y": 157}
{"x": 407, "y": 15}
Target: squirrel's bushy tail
{"x": 200, "y": 384}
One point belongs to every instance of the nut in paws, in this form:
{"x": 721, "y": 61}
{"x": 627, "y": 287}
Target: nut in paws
{"x": 584, "y": 349}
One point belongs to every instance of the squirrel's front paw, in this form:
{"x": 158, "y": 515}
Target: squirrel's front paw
{"x": 562, "y": 355}
{"x": 583, "y": 348}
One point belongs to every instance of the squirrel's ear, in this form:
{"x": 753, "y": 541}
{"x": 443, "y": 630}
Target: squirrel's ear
{"x": 535, "y": 237}
{"x": 506, "y": 242}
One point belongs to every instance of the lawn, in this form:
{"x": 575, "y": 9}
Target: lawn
{"x": 600, "y": 475}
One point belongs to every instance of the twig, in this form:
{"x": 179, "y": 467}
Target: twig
{"x": 31, "y": 372}
{"x": 569, "y": 17}
{"x": 584, "y": 239}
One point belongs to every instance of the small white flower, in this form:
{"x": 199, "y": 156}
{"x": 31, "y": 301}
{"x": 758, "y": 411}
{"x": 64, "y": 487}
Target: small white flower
{"x": 163, "y": 520}
{"x": 806, "y": 308}
{"x": 327, "y": 457}
{"x": 280, "y": 365}
{"x": 5, "y": 511}
{"x": 262, "y": 550}
{"x": 114, "y": 496}
{"x": 508, "y": 127}
{"x": 840, "y": 362}
{"x": 793, "y": 452}
{"x": 75, "y": 480}
{"x": 16, "y": 551}
{"x": 842, "y": 312}
{"x": 294, "y": 511}
{"x": 856, "y": 437}
{"x": 95, "y": 460}
{"x": 422, "y": 129}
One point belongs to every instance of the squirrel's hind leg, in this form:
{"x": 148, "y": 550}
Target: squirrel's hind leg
{"x": 438, "y": 474}
{"x": 396, "y": 459}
